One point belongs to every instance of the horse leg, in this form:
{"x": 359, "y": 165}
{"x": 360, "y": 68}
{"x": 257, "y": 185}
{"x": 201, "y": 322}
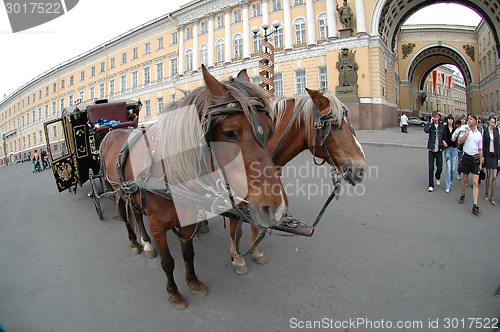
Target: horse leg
{"x": 159, "y": 232}
{"x": 238, "y": 262}
{"x": 136, "y": 248}
{"x": 257, "y": 253}
{"x": 145, "y": 240}
{"x": 196, "y": 286}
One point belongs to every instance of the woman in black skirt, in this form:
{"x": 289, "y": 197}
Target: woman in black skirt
{"x": 491, "y": 152}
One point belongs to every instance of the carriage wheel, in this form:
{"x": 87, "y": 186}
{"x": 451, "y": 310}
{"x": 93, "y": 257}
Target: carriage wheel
{"x": 94, "y": 193}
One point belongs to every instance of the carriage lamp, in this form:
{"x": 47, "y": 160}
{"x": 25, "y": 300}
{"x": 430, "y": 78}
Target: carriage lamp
{"x": 266, "y": 64}
{"x": 138, "y": 106}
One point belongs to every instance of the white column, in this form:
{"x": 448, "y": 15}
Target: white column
{"x": 180, "y": 65}
{"x": 246, "y": 29}
{"x": 195, "y": 46}
{"x": 287, "y": 29}
{"x": 311, "y": 25}
{"x": 211, "y": 40}
{"x": 331, "y": 18}
{"x": 265, "y": 12}
{"x": 360, "y": 16}
{"x": 227, "y": 34}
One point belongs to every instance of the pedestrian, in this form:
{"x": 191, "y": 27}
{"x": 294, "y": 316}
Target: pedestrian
{"x": 472, "y": 159}
{"x": 460, "y": 147}
{"x": 450, "y": 151}
{"x": 36, "y": 161}
{"x": 491, "y": 153}
{"x": 435, "y": 146}
{"x": 404, "y": 123}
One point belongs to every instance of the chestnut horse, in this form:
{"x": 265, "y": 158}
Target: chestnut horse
{"x": 315, "y": 111}
{"x": 137, "y": 167}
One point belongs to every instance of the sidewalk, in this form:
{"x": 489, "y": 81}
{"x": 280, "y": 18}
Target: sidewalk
{"x": 415, "y": 138}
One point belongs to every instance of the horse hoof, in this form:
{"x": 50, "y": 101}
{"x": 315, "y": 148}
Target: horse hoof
{"x": 179, "y": 306}
{"x": 136, "y": 250}
{"x": 150, "y": 254}
{"x": 199, "y": 289}
{"x": 240, "y": 269}
{"x": 260, "y": 259}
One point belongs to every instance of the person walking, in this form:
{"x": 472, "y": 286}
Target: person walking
{"x": 491, "y": 153}
{"x": 404, "y": 124}
{"x": 463, "y": 122}
{"x": 472, "y": 159}
{"x": 450, "y": 151}
{"x": 435, "y": 146}
{"x": 36, "y": 161}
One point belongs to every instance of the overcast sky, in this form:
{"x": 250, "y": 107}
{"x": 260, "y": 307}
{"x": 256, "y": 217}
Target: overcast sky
{"x": 27, "y": 54}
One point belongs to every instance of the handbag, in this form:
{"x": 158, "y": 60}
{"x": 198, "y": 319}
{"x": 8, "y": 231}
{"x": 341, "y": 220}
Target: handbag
{"x": 482, "y": 174}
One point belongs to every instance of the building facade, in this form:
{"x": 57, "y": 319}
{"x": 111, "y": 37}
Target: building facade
{"x": 160, "y": 60}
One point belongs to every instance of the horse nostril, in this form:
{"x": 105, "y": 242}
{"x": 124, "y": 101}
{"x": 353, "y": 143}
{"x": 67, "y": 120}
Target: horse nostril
{"x": 266, "y": 210}
{"x": 361, "y": 173}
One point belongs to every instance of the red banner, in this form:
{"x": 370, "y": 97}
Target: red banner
{"x": 449, "y": 82}
{"x": 434, "y": 78}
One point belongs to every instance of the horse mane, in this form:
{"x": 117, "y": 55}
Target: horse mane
{"x": 180, "y": 132}
{"x": 307, "y": 114}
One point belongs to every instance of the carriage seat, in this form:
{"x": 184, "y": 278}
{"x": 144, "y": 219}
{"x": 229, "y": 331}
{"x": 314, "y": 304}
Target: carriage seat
{"x": 109, "y": 112}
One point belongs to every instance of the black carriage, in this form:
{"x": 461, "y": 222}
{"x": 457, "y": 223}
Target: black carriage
{"x": 73, "y": 141}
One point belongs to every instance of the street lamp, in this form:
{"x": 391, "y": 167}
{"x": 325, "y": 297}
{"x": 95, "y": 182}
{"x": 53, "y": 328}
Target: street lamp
{"x": 266, "y": 64}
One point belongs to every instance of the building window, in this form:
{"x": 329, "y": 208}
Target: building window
{"x": 173, "y": 38}
{"x": 101, "y": 90}
{"x": 160, "y": 105}
{"x": 203, "y": 28}
{"x": 81, "y": 96}
{"x": 276, "y": 5}
{"x": 92, "y": 92}
{"x": 159, "y": 71}
{"x": 257, "y": 44}
{"x": 219, "y": 22}
{"x": 54, "y": 89}
{"x": 111, "y": 87}
{"x": 111, "y": 63}
{"x": 173, "y": 67}
{"x": 323, "y": 27}
{"x": 134, "y": 79}
{"x": 102, "y": 67}
{"x": 256, "y": 10}
{"x": 300, "y": 31}
{"x": 278, "y": 84}
{"x": 62, "y": 84}
{"x": 189, "y": 33}
{"x": 124, "y": 57}
{"x": 70, "y": 100}
{"x": 123, "y": 83}
{"x": 135, "y": 53}
{"x": 39, "y": 113}
{"x": 300, "y": 81}
{"x": 189, "y": 60}
{"x": 147, "y": 75}
{"x": 238, "y": 46}
{"x": 71, "y": 81}
{"x": 147, "y": 107}
{"x": 147, "y": 48}
{"x": 298, "y": 2}
{"x": 278, "y": 38}
{"x": 159, "y": 43}
{"x": 323, "y": 79}
{"x": 220, "y": 50}
{"x": 54, "y": 107}
{"x": 204, "y": 55}
{"x": 237, "y": 16}
{"x": 92, "y": 71}
{"x": 46, "y": 111}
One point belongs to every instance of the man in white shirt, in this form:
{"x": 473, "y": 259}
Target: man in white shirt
{"x": 472, "y": 159}
{"x": 404, "y": 123}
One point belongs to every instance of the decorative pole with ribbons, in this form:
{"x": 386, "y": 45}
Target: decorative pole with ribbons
{"x": 266, "y": 64}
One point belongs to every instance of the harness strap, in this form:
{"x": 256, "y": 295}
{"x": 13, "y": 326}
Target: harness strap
{"x": 262, "y": 233}
{"x": 290, "y": 124}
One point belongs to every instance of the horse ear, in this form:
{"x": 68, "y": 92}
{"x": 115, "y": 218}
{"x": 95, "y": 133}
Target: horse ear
{"x": 318, "y": 99}
{"x": 242, "y": 75}
{"x": 213, "y": 85}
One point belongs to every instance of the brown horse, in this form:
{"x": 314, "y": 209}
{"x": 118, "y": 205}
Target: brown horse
{"x": 340, "y": 147}
{"x": 137, "y": 167}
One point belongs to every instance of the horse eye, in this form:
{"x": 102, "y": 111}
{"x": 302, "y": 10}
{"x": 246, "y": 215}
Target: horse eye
{"x": 230, "y": 135}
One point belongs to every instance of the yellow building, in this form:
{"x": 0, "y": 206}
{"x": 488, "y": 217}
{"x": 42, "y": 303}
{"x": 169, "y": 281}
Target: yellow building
{"x": 161, "y": 59}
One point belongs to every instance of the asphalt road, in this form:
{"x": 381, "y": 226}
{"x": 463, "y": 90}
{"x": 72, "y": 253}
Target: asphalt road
{"x": 387, "y": 253}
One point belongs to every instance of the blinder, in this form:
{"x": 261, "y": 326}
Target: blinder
{"x": 233, "y": 107}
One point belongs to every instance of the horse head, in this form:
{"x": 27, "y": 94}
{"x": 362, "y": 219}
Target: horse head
{"x": 336, "y": 141}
